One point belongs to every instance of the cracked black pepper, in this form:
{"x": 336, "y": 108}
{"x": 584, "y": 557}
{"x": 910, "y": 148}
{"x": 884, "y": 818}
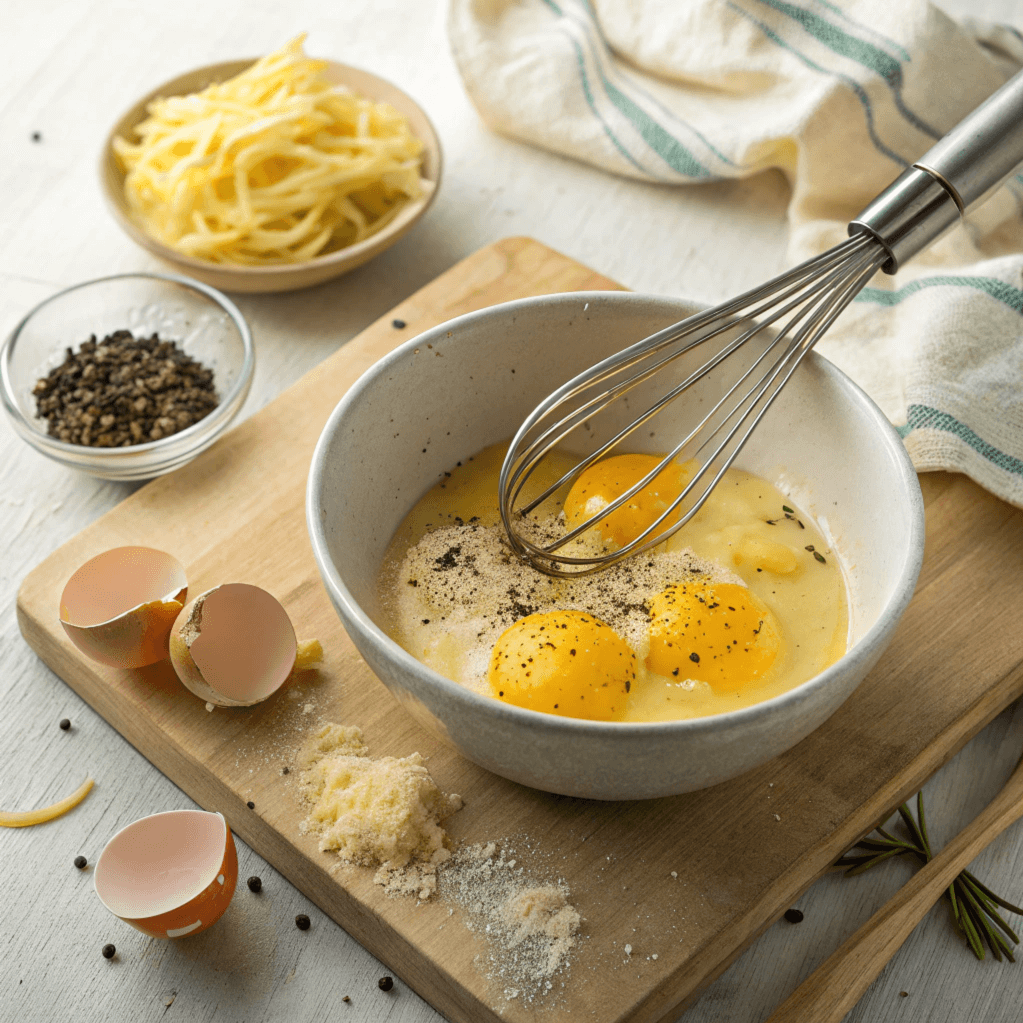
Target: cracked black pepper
{"x": 123, "y": 391}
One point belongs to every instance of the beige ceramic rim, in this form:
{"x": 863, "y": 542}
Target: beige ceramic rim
{"x": 288, "y": 277}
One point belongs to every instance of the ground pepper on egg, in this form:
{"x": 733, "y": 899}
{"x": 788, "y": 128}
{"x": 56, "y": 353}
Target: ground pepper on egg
{"x": 763, "y": 615}
{"x": 563, "y": 662}
{"x": 716, "y": 633}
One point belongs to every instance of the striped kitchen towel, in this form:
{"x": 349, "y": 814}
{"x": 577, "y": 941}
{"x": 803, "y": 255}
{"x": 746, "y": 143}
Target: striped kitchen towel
{"x": 841, "y": 96}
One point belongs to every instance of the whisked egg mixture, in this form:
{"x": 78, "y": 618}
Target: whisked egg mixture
{"x": 745, "y": 602}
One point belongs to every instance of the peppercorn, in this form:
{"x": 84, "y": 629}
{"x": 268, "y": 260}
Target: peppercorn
{"x": 794, "y": 916}
{"x": 81, "y": 862}
{"x": 302, "y": 922}
{"x": 251, "y": 805}
{"x": 123, "y": 391}
{"x": 399, "y": 324}
{"x": 255, "y": 884}
{"x": 65, "y": 724}
{"x": 385, "y": 983}
{"x": 109, "y": 951}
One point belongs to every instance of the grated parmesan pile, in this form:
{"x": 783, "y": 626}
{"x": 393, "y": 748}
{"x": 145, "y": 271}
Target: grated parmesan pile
{"x": 383, "y": 813}
{"x": 387, "y": 813}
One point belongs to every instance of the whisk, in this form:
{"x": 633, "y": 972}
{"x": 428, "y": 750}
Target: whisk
{"x": 960, "y": 171}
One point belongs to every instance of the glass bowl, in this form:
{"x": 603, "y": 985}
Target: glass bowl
{"x": 203, "y": 322}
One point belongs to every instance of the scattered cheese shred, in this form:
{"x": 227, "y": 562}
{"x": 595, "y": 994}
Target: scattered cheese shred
{"x": 23, "y": 818}
{"x": 276, "y": 165}
{"x": 308, "y": 653}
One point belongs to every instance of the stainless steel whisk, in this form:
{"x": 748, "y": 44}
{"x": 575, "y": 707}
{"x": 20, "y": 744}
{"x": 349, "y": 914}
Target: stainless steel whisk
{"x": 960, "y": 171}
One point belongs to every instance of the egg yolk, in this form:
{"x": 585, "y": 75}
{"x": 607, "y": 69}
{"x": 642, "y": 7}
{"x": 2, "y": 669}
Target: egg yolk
{"x": 717, "y": 633}
{"x": 608, "y": 479}
{"x": 563, "y": 662}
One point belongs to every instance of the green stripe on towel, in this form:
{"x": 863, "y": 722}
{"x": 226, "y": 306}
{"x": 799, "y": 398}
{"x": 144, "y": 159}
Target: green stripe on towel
{"x": 665, "y": 145}
{"x": 864, "y": 28}
{"x": 655, "y": 135}
{"x": 857, "y": 89}
{"x": 999, "y": 290}
{"x": 588, "y": 93}
{"x": 589, "y": 22}
{"x": 923, "y": 417}
{"x": 867, "y": 55}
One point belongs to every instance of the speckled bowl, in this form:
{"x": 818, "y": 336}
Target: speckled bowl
{"x": 824, "y": 442}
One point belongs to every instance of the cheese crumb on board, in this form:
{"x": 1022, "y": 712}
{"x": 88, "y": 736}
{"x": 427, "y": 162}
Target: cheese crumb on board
{"x": 387, "y": 813}
{"x": 383, "y": 813}
{"x": 307, "y": 653}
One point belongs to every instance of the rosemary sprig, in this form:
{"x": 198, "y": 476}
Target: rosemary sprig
{"x": 974, "y": 907}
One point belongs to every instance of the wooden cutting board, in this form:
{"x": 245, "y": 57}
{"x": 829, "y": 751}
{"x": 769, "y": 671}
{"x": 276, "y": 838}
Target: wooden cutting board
{"x": 237, "y": 514}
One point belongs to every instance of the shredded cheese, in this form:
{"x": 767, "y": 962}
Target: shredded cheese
{"x": 23, "y": 818}
{"x": 275, "y": 165}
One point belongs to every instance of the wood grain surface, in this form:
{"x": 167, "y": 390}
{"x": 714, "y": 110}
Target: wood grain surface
{"x": 69, "y": 69}
{"x": 835, "y": 987}
{"x": 236, "y": 513}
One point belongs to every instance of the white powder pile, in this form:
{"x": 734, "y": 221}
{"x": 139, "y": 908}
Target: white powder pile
{"x": 464, "y": 584}
{"x": 542, "y": 913}
{"x": 383, "y": 813}
{"x": 531, "y": 925}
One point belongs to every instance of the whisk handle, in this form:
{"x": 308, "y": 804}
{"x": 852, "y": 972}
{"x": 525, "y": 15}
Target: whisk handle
{"x": 959, "y": 171}
{"x": 983, "y": 149}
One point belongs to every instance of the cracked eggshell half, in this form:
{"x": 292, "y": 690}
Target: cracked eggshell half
{"x": 170, "y": 874}
{"x": 120, "y": 606}
{"x": 234, "y": 645}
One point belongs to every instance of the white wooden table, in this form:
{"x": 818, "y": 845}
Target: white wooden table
{"x": 67, "y": 70}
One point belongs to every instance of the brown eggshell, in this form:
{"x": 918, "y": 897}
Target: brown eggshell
{"x": 170, "y": 874}
{"x": 120, "y": 606}
{"x": 233, "y": 646}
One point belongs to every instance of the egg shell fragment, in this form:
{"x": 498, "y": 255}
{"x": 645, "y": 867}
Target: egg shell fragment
{"x": 120, "y": 606}
{"x": 170, "y": 874}
{"x": 234, "y": 645}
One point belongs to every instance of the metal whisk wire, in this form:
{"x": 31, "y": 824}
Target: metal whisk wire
{"x": 814, "y": 292}
{"x": 927, "y": 199}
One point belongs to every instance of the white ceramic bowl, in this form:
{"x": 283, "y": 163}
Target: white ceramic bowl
{"x": 824, "y": 442}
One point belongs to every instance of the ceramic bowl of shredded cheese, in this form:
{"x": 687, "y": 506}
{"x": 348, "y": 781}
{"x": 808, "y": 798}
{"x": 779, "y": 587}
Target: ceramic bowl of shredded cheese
{"x": 271, "y": 174}
{"x": 410, "y": 427}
